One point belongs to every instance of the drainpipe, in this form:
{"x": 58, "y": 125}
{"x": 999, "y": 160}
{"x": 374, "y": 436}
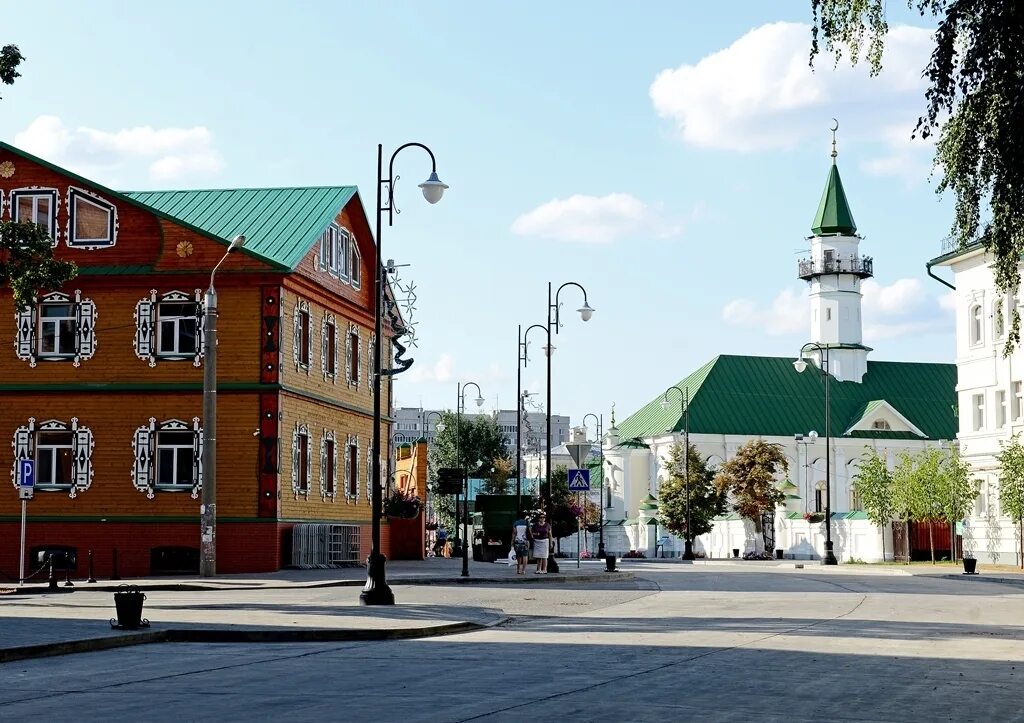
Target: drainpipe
{"x": 928, "y": 267}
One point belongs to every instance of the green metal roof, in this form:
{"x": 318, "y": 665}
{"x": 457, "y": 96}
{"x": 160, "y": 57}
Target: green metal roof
{"x": 280, "y": 224}
{"x": 765, "y": 396}
{"x": 633, "y": 443}
{"x": 651, "y": 503}
{"x": 834, "y": 215}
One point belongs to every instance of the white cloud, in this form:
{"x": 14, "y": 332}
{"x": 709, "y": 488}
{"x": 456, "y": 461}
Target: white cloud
{"x": 443, "y": 370}
{"x": 168, "y": 153}
{"x": 759, "y": 93}
{"x": 596, "y": 219}
{"x": 900, "y": 309}
{"x": 789, "y": 313}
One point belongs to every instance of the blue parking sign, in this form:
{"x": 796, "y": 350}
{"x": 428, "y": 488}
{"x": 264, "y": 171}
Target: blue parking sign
{"x": 26, "y": 473}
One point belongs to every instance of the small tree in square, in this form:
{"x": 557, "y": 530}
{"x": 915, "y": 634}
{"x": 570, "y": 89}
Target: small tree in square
{"x": 874, "y": 485}
{"x": 706, "y": 500}
{"x": 749, "y": 480}
{"x": 959, "y": 491}
{"x": 1011, "y": 485}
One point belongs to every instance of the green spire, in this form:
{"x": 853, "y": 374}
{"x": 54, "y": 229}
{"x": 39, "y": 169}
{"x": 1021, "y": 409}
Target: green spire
{"x": 834, "y": 215}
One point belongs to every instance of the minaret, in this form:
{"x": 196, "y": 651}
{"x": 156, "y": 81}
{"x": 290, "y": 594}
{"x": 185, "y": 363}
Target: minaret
{"x": 835, "y": 271}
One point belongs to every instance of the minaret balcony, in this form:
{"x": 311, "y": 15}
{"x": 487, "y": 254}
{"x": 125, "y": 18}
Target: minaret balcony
{"x": 863, "y": 267}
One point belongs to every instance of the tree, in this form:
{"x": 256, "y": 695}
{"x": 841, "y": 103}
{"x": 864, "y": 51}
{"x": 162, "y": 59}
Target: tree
{"x": 874, "y": 485}
{"x": 927, "y": 490}
{"x": 1011, "y": 485}
{"x": 480, "y": 442}
{"x": 975, "y": 75}
{"x": 904, "y": 493}
{"x": 10, "y": 59}
{"x": 497, "y": 482}
{"x": 27, "y": 263}
{"x": 706, "y": 500}
{"x": 749, "y": 480}
{"x": 959, "y": 491}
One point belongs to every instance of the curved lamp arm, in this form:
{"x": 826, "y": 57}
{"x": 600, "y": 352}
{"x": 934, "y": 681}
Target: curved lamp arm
{"x": 549, "y": 348}
{"x": 585, "y": 311}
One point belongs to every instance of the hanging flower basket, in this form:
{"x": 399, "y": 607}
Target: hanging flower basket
{"x": 593, "y": 527}
{"x": 402, "y": 505}
{"x": 431, "y": 526}
{"x": 814, "y": 516}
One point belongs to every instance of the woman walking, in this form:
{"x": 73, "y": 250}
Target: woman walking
{"x": 541, "y": 532}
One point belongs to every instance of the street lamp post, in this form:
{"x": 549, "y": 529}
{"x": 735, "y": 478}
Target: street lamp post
{"x": 800, "y": 365}
{"x": 376, "y": 591}
{"x": 599, "y": 420}
{"x": 459, "y": 407}
{"x": 684, "y": 400}
{"x": 554, "y": 321}
{"x": 208, "y": 506}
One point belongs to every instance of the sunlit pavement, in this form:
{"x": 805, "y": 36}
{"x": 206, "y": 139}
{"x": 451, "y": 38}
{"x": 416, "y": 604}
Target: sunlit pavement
{"x": 679, "y": 643}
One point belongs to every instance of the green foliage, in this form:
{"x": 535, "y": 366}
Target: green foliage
{"x": 975, "y": 75}
{"x": 10, "y": 59}
{"x": 959, "y": 488}
{"x": 27, "y": 263}
{"x": 497, "y": 482}
{"x": 749, "y": 479}
{"x": 706, "y": 500}
{"x": 1011, "y": 479}
{"x": 904, "y": 491}
{"x": 480, "y": 442}
{"x": 874, "y": 484}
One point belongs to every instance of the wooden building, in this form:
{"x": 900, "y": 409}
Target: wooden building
{"x": 101, "y": 382}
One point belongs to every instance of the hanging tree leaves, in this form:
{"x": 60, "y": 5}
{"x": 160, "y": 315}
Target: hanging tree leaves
{"x": 975, "y": 76}
{"x": 749, "y": 479}
{"x": 10, "y": 59}
{"x": 706, "y": 500}
{"x": 27, "y": 263}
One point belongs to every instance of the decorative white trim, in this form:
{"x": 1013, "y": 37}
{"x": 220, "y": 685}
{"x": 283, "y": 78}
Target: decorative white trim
{"x": 327, "y": 353}
{"x": 351, "y": 443}
{"x": 300, "y": 487}
{"x": 82, "y": 445}
{"x": 325, "y": 493}
{"x": 302, "y": 306}
{"x": 74, "y": 193}
{"x": 369, "y": 473}
{"x": 52, "y": 193}
{"x": 27, "y": 320}
{"x": 353, "y": 375}
{"x": 144, "y": 446}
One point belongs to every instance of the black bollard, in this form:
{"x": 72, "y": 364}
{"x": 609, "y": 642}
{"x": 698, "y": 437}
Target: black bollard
{"x": 113, "y": 574}
{"x": 67, "y": 577}
{"x": 92, "y": 576}
{"x": 53, "y": 577}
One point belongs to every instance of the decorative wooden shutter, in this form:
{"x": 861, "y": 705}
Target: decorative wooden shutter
{"x": 296, "y": 334}
{"x": 295, "y": 459}
{"x": 144, "y": 445}
{"x": 348, "y": 355}
{"x": 369, "y": 359}
{"x": 369, "y": 473}
{"x": 24, "y": 446}
{"x": 323, "y": 465}
{"x": 25, "y": 345}
{"x": 200, "y": 327}
{"x": 355, "y": 446}
{"x": 81, "y": 453}
{"x": 348, "y": 472}
{"x": 359, "y": 357}
{"x": 197, "y": 457}
{"x": 85, "y": 313}
{"x": 145, "y": 329}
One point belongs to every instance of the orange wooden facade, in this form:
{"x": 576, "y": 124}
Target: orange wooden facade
{"x": 267, "y": 400}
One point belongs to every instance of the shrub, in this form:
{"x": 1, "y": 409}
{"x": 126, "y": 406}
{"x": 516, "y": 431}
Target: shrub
{"x": 755, "y": 555}
{"x": 635, "y": 554}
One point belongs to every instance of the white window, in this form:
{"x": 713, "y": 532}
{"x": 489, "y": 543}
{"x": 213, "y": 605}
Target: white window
{"x": 58, "y": 330}
{"x": 334, "y": 251}
{"x": 353, "y": 353}
{"x": 978, "y": 407}
{"x": 819, "y": 497}
{"x": 168, "y": 457}
{"x": 62, "y": 453}
{"x": 998, "y": 320}
{"x": 92, "y": 221}
{"x": 1018, "y": 400}
{"x": 328, "y": 466}
{"x": 170, "y": 327}
{"x": 354, "y": 265}
{"x": 881, "y": 424}
{"x": 974, "y": 320}
{"x": 37, "y": 205}
{"x": 329, "y": 346}
{"x": 1000, "y": 409}
{"x": 302, "y": 340}
{"x": 300, "y": 460}
{"x": 981, "y": 502}
{"x": 828, "y": 313}
{"x": 58, "y": 327}
{"x": 353, "y": 471}
{"x": 341, "y": 263}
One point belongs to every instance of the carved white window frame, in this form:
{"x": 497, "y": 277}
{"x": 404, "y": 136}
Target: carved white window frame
{"x": 353, "y": 364}
{"x": 302, "y": 307}
{"x": 37, "y": 191}
{"x": 147, "y": 321}
{"x": 26, "y": 343}
{"x": 351, "y": 466}
{"x": 75, "y": 194}
{"x": 328, "y": 475}
{"x": 300, "y": 487}
{"x": 144, "y": 446}
{"x": 326, "y": 352}
{"x": 82, "y": 446}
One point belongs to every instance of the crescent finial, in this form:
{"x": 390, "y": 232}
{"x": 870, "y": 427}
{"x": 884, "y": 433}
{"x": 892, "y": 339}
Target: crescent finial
{"x": 836, "y": 126}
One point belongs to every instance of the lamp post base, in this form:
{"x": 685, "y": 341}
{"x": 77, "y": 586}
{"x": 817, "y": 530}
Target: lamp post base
{"x": 830, "y": 557}
{"x": 688, "y": 550}
{"x": 600, "y": 550}
{"x": 376, "y": 591}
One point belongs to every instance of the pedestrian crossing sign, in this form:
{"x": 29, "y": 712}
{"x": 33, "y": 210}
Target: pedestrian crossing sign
{"x": 579, "y": 480}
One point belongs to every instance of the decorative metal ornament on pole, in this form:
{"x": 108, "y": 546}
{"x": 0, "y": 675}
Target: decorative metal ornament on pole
{"x": 376, "y": 591}
{"x": 684, "y": 400}
{"x": 208, "y": 502}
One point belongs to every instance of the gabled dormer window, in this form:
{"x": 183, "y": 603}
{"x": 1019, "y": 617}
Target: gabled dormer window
{"x": 36, "y": 205}
{"x": 92, "y": 221}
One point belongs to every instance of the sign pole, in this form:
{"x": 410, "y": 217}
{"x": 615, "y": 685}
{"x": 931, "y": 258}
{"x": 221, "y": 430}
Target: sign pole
{"x": 21, "y": 559}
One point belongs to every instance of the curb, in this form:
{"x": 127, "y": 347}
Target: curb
{"x": 978, "y": 577}
{"x": 199, "y": 587}
{"x": 213, "y": 635}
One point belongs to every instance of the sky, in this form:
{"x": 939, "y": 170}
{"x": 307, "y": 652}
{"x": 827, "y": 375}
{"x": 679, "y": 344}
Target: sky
{"x": 669, "y": 157}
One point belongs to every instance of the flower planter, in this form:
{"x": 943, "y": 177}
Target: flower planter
{"x": 970, "y": 566}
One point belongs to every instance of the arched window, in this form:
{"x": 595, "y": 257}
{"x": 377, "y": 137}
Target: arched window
{"x": 974, "y": 319}
{"x": 819, "y": 497}
{"x": 881, "y": 424}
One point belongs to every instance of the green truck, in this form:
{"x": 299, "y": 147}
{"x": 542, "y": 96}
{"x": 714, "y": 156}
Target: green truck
{"x": 492, "y": 524}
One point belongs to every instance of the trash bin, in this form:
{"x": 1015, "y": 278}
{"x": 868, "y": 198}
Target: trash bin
{"x": 778, "y": 553}
{"x": 970, "y": 566}
{"x": 609, "y": 563}
{"x": 735, "y": 552}
{"x": 128, "y": 602}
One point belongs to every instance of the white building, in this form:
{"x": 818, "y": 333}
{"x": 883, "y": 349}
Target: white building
{"x": 888, "y": 406}
{"x": 412, "y": 423}
{"x": 989, "y": 395}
